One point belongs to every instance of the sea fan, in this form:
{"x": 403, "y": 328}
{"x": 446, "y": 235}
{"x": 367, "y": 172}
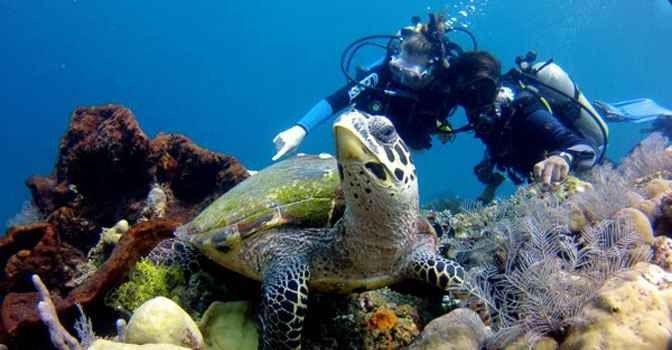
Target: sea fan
{"x": 647, "y": 158}
{"x": 608, "y": 195}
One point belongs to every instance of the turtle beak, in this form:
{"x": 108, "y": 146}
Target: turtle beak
{"x": 348, "y": 145}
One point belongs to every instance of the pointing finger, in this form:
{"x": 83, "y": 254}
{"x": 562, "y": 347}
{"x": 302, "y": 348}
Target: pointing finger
{"x": 537, "y": 170}
{"x": 548, "y": 174}
{"x": 281, "y": 152}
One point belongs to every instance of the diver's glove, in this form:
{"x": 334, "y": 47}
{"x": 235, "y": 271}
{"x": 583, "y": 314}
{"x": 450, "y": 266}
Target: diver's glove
{"x": 288, "y": 141}
{"x": 552, "y": 170}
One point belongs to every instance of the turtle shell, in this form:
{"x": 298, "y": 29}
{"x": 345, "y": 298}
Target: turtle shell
{"x": 302, "y": 191}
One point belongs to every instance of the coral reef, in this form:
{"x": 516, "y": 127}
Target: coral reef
{"x": 107, "y": 169}
{"x": 107, "y": 166}
{"x": 543, "y": 343}
{"x": 155, "y": 205}
{"x": 156, "y": 321}
{"x": 102, "y": 344}
{"x": 97, "y": 255}
{"x": 551, "y": 252}
{"x": 563, "y": 268}
{"x": 378, "y": 319}
{"x": 648, "y": 158}
{"x": 191, "y": 172}
{"x": 19, "y": 316}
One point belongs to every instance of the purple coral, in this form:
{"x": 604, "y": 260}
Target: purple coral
{"x": 60, "y": 337}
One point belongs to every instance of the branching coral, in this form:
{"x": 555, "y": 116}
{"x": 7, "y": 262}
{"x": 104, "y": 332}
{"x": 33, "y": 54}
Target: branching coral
{"x": 60, "y": 337}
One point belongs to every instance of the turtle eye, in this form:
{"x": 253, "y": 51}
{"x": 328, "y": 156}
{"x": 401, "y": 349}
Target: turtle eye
{"x": 383, "y": 130}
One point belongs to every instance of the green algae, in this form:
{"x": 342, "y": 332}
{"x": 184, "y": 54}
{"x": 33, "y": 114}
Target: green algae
{"x": 146, "y": 281}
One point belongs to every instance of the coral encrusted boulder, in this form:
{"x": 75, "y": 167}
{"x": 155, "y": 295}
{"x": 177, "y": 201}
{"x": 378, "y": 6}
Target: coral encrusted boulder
{"x": 632, "y": 311}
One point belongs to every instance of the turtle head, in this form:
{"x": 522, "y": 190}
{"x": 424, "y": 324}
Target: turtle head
{"x": 216, "y": 243}
{"x": 373, "y": 161}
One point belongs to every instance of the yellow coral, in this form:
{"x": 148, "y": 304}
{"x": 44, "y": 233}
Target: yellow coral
{"x": 522, "y": 343}
{"x": 648, "y": 207}
{"x": 640, "y": 223}
{"x": 657, "y": 187}
{"x": 113, "y": 235}
{"x": 632, "y": 311}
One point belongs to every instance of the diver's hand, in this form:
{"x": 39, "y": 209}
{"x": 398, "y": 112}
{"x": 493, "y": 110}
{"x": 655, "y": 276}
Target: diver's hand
{"x": 552, "y": 169}
{"x": 288, "y": 141}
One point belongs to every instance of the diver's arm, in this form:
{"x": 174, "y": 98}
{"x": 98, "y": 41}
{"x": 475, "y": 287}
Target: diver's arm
{"x": 343, "y": 97}
{"x": 289, "y": 140}
{"x": 320, "y": 112}
{"x": 579, "y": 152}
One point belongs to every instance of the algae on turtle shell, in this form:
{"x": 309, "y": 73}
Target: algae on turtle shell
{"x": 300, "y": 192}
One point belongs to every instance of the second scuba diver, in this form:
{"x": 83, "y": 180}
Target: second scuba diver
{"x": 533, "y": 121}
{"x": 407, "y": 87}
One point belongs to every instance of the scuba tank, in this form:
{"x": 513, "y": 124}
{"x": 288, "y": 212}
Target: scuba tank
{"x": 563, "y": 98}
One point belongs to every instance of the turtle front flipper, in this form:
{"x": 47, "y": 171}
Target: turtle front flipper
{"x": 426, "y": 265}
{"x": 284, "y": 303}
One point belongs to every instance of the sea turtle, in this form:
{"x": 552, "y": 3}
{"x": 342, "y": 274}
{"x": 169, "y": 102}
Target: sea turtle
{"x": 274, "y": 227}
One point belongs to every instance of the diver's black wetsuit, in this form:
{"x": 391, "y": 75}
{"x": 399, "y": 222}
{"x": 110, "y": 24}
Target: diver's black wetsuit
{"x": 524, "y": 133}
{"x": 413, "y": 113}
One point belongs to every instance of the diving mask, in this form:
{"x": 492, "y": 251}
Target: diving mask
{"x": 413, "y": 71}
{"x": 478, "y": 92}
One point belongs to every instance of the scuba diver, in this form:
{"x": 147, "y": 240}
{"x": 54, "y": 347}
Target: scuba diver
{"x": 534, "y": 121}
{"x": 407, "y": 86}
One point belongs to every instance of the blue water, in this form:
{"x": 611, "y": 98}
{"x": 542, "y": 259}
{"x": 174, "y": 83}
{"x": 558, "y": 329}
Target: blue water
{"x": 231, "y": 74}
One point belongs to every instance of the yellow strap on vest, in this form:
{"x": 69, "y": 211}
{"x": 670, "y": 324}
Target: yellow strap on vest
{"x": 546, "y": 104}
